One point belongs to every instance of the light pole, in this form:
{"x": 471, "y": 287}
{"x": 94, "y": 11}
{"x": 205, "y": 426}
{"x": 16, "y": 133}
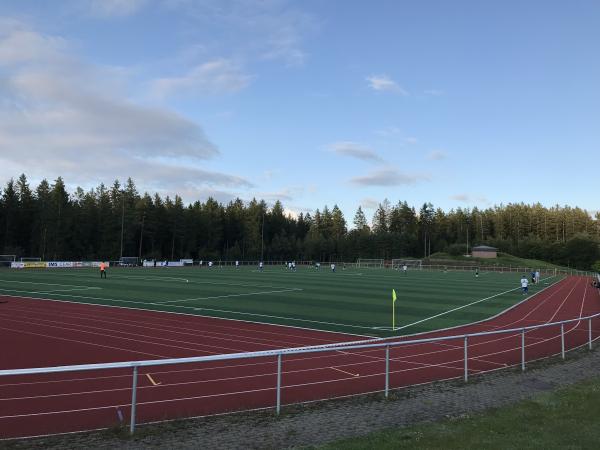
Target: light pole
{"x": 262, "y": 238}
{"x": 141, "y": 237}
{"x": 122, "y": 221}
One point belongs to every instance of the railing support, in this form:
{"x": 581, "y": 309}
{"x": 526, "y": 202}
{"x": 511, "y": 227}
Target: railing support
{"x": 278, "y": 383}
{"x": 466, "y": 359}
{"x": 590, "y": 334}
{"x": 523, "y": 350}
{"x": 387, "y": 370}
{"x": 133, "y": 399}
{"x": 562, "y": 340}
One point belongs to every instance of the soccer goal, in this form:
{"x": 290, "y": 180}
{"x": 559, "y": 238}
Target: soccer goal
{"x": 369, "y": 263}
{"x": 129, "y": 261}
{"x": 6, "y": 260}
{"x": 398, "y": 264}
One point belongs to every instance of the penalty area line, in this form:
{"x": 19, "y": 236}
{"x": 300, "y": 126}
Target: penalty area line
{"x": 228, "y": 296}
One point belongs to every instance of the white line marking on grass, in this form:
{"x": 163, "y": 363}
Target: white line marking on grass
{"x": 50, "y": 292}
{"x": 460, "y": 307}
{"x": 45, "y": 284}
{"x": 228, "y": 295}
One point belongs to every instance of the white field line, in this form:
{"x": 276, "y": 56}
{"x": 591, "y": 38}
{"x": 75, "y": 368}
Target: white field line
{"x": 190, "y": 280}
{"x": 45, "y": 284}
{"x": 459, "y": 308}
{"x": 50, "y": 292}
{"x": 294, "y": 319}
{"x": 129, "y": 308}
{"x": 229, "y": 295}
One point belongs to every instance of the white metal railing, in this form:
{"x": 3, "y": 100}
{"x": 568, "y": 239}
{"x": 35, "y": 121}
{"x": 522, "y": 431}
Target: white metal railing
{"x": 386, "y": 343}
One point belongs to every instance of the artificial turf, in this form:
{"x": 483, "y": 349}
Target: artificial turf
{"x": 356, "y": 301}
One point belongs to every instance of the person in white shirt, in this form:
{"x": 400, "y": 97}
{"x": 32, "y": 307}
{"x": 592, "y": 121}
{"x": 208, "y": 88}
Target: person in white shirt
{"x": 405, "y": 269}
{"x": 210, "y": 264}
{"x": 294, "y": 266}
{"x": 332, "y": 267}
{"x": 260, "y": 266}
{"x": 237, "y": 264}
{"x": 537, "y": 276}
{"x": 524, "y": 284}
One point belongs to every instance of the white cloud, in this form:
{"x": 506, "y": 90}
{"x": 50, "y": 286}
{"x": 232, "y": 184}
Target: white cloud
{"x": 355, "y": 150}
{"x": 436, "y": 155}
{"x": 265, "y": 30}
{"x": 466, "y": 198}
{"x": 114, "y": 8}
{"x": 388, "y": 177}
{"x": 59, "y": 116}
{"x": 220, "y": 76}
{"x": 385, "y": 84}
{"x": 369, "y": 203}
{"x": 389, "y": 131}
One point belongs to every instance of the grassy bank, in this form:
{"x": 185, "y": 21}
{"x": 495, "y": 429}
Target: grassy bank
{"x": 563, "y": 419}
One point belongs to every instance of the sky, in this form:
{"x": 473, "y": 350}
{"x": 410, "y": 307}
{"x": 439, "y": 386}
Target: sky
{"x": 312, "y": 102}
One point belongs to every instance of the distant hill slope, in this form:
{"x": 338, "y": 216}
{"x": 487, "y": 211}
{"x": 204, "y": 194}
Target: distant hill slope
{"x": 503, "y": 259}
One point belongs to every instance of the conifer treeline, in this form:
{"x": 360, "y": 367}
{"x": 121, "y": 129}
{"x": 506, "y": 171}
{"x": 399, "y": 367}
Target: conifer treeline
{"x": 49, "y": 222}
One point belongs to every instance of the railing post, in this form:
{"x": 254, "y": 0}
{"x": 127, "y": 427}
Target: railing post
{"x": 133, "y": 399}
{"x": 466, "y": 360}
{"x": 387, "y": 370}
{"x": 562, "y": 340}
{"x": 278, "y": 383}
{"x": 590, "y": 334}
{"x": 523, "y": 350}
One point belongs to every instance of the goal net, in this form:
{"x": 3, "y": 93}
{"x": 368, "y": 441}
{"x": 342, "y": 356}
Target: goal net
{"x": 398, "y": 264}
{"x": 5, "y": 260}
{"x": 30, "y": 259}
{"x": 369, "y": 263}
{"x": 129, "y": 261}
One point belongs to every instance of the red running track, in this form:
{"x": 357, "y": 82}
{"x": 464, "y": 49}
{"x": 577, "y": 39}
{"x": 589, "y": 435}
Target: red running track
{"x": 38, "y": 333}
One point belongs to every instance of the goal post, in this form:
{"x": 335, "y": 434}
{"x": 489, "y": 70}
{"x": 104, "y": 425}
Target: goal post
{"x": 31, "y": 259}
{"x": 399, "y": 264}
{"x": 363, "y": 263}
{"x": 7, "y": 260}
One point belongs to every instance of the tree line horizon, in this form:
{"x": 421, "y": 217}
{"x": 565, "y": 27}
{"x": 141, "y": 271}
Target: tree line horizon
{"x": 109, "y": 222}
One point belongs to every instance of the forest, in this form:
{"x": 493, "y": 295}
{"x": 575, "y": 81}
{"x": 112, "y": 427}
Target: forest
{"x": 49, "y": 222}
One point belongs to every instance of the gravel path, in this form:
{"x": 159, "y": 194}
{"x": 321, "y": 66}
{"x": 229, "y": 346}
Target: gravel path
{"x": 324, "y": 422}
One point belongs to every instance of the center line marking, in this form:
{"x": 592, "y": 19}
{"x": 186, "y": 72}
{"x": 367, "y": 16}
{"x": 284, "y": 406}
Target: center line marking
{"x": 347, "y": 373}
{"x": 154, "y": 383}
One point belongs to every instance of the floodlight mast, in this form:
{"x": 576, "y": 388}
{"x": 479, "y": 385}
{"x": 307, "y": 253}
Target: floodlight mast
{"x": 122, "y": 220}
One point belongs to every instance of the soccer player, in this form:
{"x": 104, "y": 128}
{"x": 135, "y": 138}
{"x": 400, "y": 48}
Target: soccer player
{"x": 293, "y": 266}
{"x": 102, "y": 270}
{"x": 477, "y": 273}
{"x": 260, "y": 266}
{"x": 537, "y": 276}
{"x": 332, "y": 267}
{"x": 210, "y": 264}
{"x": 237, "y": 264}
{"x": 533, "y": 277}
{"x": 405, "y": 269}
{"x": 524, "y": 284}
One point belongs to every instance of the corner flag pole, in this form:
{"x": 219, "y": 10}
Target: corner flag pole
{"x": 394, "y": 310}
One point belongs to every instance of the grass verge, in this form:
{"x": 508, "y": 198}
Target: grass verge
{"x": 563, "y": 419}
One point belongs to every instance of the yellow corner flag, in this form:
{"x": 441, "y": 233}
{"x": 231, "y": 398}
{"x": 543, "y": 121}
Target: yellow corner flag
{"x": 394, "y": 297}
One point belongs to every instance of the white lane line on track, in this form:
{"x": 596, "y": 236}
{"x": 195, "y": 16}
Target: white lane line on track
{"x": 161, "y": 327}
{"x": 347, "y": 373}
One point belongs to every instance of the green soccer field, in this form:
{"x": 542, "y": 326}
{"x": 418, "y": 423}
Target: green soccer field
{"x": 357, "y": 301}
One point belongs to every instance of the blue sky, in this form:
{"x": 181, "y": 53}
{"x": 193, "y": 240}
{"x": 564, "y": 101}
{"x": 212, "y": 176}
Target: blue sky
{"x": 463, "y": 103}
